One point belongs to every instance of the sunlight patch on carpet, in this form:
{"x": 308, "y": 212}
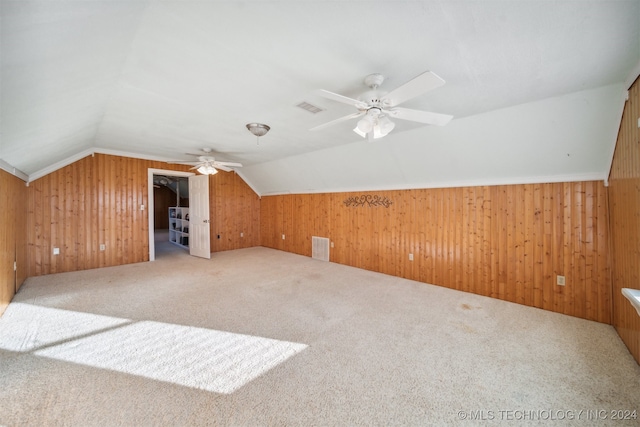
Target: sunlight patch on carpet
{"x": 26, "y": 327}
{"x": 205, "y": 359}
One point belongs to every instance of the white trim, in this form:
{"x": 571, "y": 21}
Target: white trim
{"x": 90, "y": 152}
{"x": 150, "y": 203}
{"x": 624, "y": 96}
{"x": 14, "y": 171}
{"x": 455, "y": 184}
{"x": 131, "y": 155}
{"x": 59, "y": 165}
{"x": 632, "y": 76}
{"x": 244, "y": 178}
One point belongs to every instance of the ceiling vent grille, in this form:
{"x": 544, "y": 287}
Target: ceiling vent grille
{"x": 309, "y": 107}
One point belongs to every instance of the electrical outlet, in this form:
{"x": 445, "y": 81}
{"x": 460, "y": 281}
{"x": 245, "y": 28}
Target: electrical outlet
{"x": 283, "y": 237}
{"x": 103, "y": 246}
{"x": 410, "y": 257}
{"x": 560, "y": 280}
{"x": 141, "y": 207}
{"x": 331, "y": 244}
{"x": 56, "y": 251}
{"x": 241, "y": 234}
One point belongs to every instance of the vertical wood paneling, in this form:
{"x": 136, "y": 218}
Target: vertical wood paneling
{"x": 13, "y": 236}
{"x": 163, "y": 199}
{"x": 235, "y": 210}
{"x": 268, "y": 222}
{"x": 624, "y": 206}
{"x": 97, "y": 200}
{"x": 508, "y": 242}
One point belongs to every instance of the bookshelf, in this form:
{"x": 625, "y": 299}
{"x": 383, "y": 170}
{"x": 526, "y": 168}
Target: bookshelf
{"x": 179, "y": 226}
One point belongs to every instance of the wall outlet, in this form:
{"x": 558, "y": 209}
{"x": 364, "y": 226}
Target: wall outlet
{"x": 241, "y": 234}
{"x": 560, "y": 280}
{"x": 56, "y": 251}
{"x": 141, "y": 207}
{"x": 331, "y": 244}
{"x": 410, "y": 257}
{"x": 103, "y": 246}
{"x": 283, "y": 237}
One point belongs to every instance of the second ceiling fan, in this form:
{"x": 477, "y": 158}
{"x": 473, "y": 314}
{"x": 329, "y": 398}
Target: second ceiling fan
{"x": 207, "y": 164}
{"x": 376, "y": 107}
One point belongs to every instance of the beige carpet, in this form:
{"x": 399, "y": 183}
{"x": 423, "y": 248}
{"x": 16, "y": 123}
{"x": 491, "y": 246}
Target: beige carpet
{"x": 263, "y": 337}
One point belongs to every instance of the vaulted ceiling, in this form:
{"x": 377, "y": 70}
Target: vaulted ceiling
{"x": 536, "y": 88}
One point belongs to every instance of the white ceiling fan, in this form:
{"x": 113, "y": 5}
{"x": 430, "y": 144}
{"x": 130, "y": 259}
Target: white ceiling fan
{"x": 207, "y": 164}
{"x": 376, "y": 107}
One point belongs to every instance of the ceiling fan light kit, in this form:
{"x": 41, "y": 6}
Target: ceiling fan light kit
{"x": 374, "y": 122}
{"x": 375, "y": 107}
{"x": 207, "y": 169}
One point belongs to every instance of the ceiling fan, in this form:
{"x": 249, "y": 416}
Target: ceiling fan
{"x": 207, "y": 164}
{"x": 376, "y": 107}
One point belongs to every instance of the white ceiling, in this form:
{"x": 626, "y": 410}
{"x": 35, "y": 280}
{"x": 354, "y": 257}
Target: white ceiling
{"x": 536, "y": 87}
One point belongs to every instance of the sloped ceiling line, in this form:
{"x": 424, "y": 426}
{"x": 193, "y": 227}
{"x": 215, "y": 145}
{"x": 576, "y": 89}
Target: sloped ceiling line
{"x": 174, "y": 76}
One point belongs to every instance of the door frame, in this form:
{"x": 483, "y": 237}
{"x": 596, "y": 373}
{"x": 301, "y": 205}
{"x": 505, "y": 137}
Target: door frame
{"x": 151, "y": 202}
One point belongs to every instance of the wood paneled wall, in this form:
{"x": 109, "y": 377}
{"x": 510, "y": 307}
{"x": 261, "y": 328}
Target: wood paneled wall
{"x": 13, "y": 236}
{"x": 235, "y": 210}
{"x": 163, "y": 199}
{"x": 93, "y": 201}
{"x": 624, "y": 202}
{"x": 507, "y": 242}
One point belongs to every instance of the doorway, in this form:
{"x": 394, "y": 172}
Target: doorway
{"x": 172, "y": 177}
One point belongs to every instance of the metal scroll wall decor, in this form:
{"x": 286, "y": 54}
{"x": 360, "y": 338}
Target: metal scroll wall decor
{"x": 368, "y": 200}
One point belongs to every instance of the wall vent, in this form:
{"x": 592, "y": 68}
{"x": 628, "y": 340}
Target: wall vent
{"x": 320, "y": 248}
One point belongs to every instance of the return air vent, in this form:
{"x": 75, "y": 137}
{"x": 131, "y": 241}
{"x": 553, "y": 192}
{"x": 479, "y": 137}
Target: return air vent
{"x": 310, "y": 108}
{"x": 320, "y": 248}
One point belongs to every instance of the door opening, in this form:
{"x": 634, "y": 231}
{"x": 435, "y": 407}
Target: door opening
{"x": 155, "y": 174}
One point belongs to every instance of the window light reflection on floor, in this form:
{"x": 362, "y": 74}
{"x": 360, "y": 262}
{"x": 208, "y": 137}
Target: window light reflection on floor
{"x": 26, "y": 327}
{"x": 200, "y": 358}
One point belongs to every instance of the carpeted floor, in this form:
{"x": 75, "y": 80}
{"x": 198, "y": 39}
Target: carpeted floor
{"x": 263, "y": 337}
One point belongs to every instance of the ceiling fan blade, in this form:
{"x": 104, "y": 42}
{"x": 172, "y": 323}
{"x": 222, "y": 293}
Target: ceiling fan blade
{"x": 222, "y": 167}
{"x": 341, "y": 119}
{"x": 417, "y": 86}
{"x": 420, "y": 116}
{"x": 233, "y": 164}
{"x": 341, "y": 98}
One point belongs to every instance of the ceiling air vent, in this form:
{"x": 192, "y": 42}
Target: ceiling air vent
{"x": 310, "y": 108}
